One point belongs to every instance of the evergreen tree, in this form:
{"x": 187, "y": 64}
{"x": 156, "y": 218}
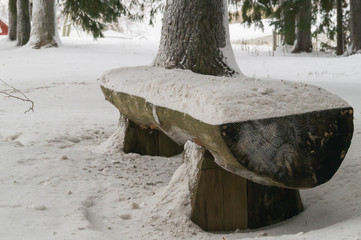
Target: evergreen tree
{"x": 334, "y": 30}
{"x": 282, "y": 13}
{"x": 93, "y": 15}
{"x": 254, "y": 11}
{"x": 193, "y": 35}
{"x": 23, "y": 22}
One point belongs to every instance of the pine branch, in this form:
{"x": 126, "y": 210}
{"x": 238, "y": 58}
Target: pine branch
{"x": 23, "y": 97}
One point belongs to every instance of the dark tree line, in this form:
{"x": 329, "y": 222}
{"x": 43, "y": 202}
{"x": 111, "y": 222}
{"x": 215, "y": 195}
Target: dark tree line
{"x": 295, "y": 18}
{"x": 292, "y": 18}
{"x": 93, "y": 15}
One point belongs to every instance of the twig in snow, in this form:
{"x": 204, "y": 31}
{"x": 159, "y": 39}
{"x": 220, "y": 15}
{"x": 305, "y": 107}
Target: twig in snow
{"x": 23, "y": 97}
{"x": 260, "y": 4}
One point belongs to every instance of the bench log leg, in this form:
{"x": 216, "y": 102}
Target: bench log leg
{"x": 146, "y": 140}
{"x": 223, "y": 201}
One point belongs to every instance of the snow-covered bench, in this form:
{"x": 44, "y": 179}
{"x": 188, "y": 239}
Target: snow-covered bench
{"x": 277, "y": 134}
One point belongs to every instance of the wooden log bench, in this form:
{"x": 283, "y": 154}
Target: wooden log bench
{"x": 260, "y": 141}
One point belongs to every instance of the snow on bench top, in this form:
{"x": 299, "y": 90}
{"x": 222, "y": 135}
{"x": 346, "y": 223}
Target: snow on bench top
{"x": 219, "y": 100}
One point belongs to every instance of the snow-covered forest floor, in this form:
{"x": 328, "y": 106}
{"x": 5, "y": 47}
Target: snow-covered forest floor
{"x": 56, "y": 182}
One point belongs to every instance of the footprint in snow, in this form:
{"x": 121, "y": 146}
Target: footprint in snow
{"x": 125, "y": 216}
{"x": 12, "y": 137}
{"x": 39, "y": 207}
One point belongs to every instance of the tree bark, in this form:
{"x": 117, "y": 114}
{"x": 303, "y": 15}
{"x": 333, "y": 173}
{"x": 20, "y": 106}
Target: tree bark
{"x": 43, "y": 33}
{"x": 340, "y": 46}
{"x": 12, "y": 20}
{"x": 193, "y": 35}
{"x": 355, "y": 7}
{"x": 303, "y": 23}
{"x": 23, "y": 22}
{"x": 289, "y": 25}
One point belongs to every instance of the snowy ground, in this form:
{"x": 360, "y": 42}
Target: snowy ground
{"x": 54, "y": 183}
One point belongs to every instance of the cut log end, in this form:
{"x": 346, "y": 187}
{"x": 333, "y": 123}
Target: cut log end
{"x": 296, "y": 151}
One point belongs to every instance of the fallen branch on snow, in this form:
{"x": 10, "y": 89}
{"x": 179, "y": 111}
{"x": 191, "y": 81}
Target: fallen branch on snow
{"x": 22, "y": 97}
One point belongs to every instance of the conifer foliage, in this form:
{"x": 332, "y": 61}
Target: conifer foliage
{"x": 93, "y": 15}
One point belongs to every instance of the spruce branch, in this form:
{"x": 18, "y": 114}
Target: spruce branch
{"x": 22, "y": 96}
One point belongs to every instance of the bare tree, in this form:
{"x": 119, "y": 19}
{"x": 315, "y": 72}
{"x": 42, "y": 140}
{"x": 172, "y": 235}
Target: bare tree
{"x": 23, "y": 22}
{"x": 12, "y": 92}
{"x": 43, "y": 32}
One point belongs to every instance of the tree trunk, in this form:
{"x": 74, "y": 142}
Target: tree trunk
{"x": 193, "y": 36}
{"x": 303, "y": 22}
{"x": 355, "y": 7}
{"x": 340, "y": 46}
{"x": 43, "y": 33}
{"x": 12, "y": 20}
{"x": 23, "y": 22}
{"x": 289, "y": 25}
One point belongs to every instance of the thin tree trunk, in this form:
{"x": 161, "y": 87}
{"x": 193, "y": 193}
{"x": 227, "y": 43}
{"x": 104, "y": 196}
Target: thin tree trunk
{"x": 12, "y": 20}
{"x": 43, "y": 33}
{"x": 193, "y": 35}
{"x": 340, "y": 46}
{"x": 23, "y": 22}
{"x": 289, "y": 25}
{"x": 355, "y": 7}
{"x": 303, "y": 23}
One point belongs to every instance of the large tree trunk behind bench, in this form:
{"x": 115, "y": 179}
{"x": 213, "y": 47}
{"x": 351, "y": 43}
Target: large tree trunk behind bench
{"x": 193, "y": 34}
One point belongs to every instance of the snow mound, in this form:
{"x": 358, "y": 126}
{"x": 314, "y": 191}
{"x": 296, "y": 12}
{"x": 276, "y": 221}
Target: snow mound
{"x": 219, "y": 100}
{"x": 173, "y": 207}
{"x": 115, "y": 142}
